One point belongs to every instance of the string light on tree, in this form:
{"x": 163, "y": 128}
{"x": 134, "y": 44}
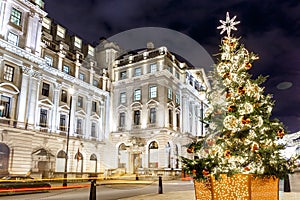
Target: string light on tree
{"x": 228, "y": 25}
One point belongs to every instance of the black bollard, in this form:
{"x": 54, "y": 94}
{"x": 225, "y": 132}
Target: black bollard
{"x": 160, "y": 188}
{"x": 286, "y": 184}
{"x": 93, "y": 190}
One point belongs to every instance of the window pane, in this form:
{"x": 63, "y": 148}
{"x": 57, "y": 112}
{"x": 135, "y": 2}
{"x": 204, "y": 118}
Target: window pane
{"x": 81, "y": 76}
{"x": 93, "y": 131}
{"x": 95, "y": 83}
{"x": 170, "y": 93}
{"x": 66, "y": 69}
{"x": 122, "y": 119}
{"x": 94, "y": 106}
{"x": 8, "y": 73}
{"x": 153, "y": 68}
{"x": 79, "y": 127}
{"x": 123, "y": 97}
{"x": 43, "y": 118}
{"x": 62, "y": 123}
{"x": 152, "y": 92}
{"x": 137, "y": 95}
{"x": 13, "y": 38}
{"x": 45, "y": 89}
{"x": 49, "y": 60}
{"x": 5, "y": 107}
{"x": 137, "y": 71}
{"x": 64, "y": 96}
{"x": 152, "y": 115}
{"x": 123, "y": 75}
{"x": 77, "y": 42}
{"x": 137, "y": 115}
{"x": 15, "y": 17}
{"x": 80, "y": 102}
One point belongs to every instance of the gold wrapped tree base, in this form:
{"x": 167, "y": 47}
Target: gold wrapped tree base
{"x": 239, "y": 186}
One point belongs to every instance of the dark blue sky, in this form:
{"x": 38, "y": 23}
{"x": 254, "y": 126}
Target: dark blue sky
{"x": 271, "y": 29}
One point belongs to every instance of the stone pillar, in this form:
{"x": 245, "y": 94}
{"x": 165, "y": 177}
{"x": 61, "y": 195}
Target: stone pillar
{"x": 88, "y": 122}
{"x": 185, "y": 114}
{"x": 31, "y": 36}
{"x": 92, "y": 71}
{"x": 54, "y": 124}
{"x": 38, "y": 40}
{"x": 22, "y": 101}
{"x": 33, "y": 99}
{"x": 61, "y": 57}
{"x": 2, "y": 18}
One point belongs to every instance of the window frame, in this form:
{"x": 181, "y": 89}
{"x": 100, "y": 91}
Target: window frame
{"x": 137, "y": 95}
{"x": 8, "y": 73}
{"x": 152, "y": 69}
{"x": 64, "y": 96}
{"x": 14, "y": 18}
{"x": 123, "y": 75}
{"x": 152, "y": 115}
{"x": 152, "y": 92}
{"x": 5, "y": 102}
{"x": 49, "y": 60}
{"x": 13, "y": 41}
{"x": 123, "y": 97}
{"x": 67, "y": 69}
{"x": 137, "y": 71}
{"x": 170, "y": 94}
{"x": 94, "y": 106}
{"x": 137, "y": 117}
{"x": 122, "y": 117}
{"x": 80, "y": 102}
{"x": 45, "y": 89}
{"x": 43, "y": 118}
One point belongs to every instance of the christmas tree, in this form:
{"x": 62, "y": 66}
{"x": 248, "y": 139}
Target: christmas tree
{"x": 241, "y": 139}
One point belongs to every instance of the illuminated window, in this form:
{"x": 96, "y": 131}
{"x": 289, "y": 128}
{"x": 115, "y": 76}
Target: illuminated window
{"x": 8, "y": 73}
{"x": 137, "y": 95}
{"x": 153, "y": 91}
{"x": 13, "y": 38}
{"x": 123, "y": 75}
{"x": 153, "y": 67}
{"x": 137, "y": 71}
{"x": 43, "y": 118}
{"x": 49, "y": 60}
{"x": 64, "y": 96}
{"x": 77, "y": 42}
{"x": 66, "y": 69}
{"x": 46, "y": 23}
{"x": 62, "y": 123}
{"x": 91, "y": 50}
{"x": 123, "y": 97}
{"x": 60, "y": 31}
{"x": 170, "y": 93}
{"x": 45, "y": 89}
{"x": 5, "y": 106}
{"x": 15, "y": 17}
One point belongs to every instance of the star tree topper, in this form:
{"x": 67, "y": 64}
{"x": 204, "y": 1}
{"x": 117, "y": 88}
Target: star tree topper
{"x": 228, "y": 25}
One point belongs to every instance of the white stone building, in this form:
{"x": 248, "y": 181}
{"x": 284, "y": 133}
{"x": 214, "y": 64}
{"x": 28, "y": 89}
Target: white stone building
{"x": 133, "y": 111}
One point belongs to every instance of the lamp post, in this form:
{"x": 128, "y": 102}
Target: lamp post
{"x": 71, "y": 91}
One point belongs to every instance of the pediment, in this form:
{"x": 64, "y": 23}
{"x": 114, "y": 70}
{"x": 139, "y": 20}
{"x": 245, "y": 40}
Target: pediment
{"x": 64, "y": 107}
{"x": 80, "y": 112}
{"x": 95, "y": 116}
{"x": 136, "y": 105}
{"x": 121, "y": 107}
{"x": 152, "y": 102}
{"x": 171, "y": 104}
{"x": 9, "y": 88}
{"x": 46, "y": 102}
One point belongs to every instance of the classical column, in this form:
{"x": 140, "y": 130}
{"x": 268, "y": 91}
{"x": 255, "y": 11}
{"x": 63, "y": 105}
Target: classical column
{"x": 54, "y": 124}
{"x": 22, "y": 100}
{"x": 2, "y": 19}
{"x": 88, "y": 118}
{"x": 33, "y": 95}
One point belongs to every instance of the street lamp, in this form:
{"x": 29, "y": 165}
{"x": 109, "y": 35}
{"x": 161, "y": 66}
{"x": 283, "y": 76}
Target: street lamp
{"x": 71, "y": 91}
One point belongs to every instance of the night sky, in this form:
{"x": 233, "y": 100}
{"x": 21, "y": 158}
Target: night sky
{"x": 270, "y": 29}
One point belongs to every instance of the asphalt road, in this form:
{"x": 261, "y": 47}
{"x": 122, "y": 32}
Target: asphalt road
{"x": 104, "y": 192}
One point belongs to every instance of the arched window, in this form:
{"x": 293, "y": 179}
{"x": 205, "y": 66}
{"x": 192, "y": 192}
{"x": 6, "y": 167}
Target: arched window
{"x": 153, "y": 155}
{"x": 4, "y": 158}
{"x": 79, "y": 161}
{"x": 93, "y": 163}
{"x": 60, "y": 161}
{"x": 122, "y": 156}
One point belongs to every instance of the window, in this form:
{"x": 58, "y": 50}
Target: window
{"x": 81, "y": 76}
{"x": 8, "y": 73}
{"x": 153, "y": 91}
{"x": 95, "y": 83}
{"x": 136, "y": 117}
{"x": 123, "y": 97}
{"x": 46, "y": 23}
{"x": 170, "y": 69}
{"x": 79, "y": 127}
{"x": 5, "y": 107}
{"x": 177, "y": 99}
{"x": 123, "y": 75}
{"x": 13, "y": 38}
{"x": 94, "y": 106}
{"x": 64, "y": 96}
{"x": 137, "y": 71}
{"x": 80, "y": 102}
{"x": 177, "y": 75}
{"x": 91, "y": 50}
{"x": 66, "y": 69}
{"x": 77, "y": 42}
{"x": 49, "y": 60}
{"x": 122, "y": 119}
{"x": 152, "y": 119}
{"x": 170, "y": 93}
{"x": 43, "y": 118}
{"x": 137, "y": 95}
{"x": 178, "y": 120}
{"x": 15, "y": 17}
{"x": 170, "y": 117}
{"x": 153, "y": 154}
{"x": 93, "y": 130}
{"x": 45, "y": 89}
{"x": 62, "y": 122}
{"x": 153, "y": 67}
{"x": 60, "y": 31}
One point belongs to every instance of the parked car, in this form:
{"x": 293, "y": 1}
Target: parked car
{"x": 19, "y": 183}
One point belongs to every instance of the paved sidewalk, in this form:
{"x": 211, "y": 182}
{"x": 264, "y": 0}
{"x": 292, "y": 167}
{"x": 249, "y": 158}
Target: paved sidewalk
{"x": 190, "y": 195}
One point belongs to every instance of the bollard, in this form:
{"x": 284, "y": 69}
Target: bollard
{"x": 286, "y": 184}
{"x": 93, "y": 190}
{"x": 160, "y": 188}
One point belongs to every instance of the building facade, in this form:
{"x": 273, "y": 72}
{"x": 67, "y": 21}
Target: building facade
{"x": 134, "y": 111}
